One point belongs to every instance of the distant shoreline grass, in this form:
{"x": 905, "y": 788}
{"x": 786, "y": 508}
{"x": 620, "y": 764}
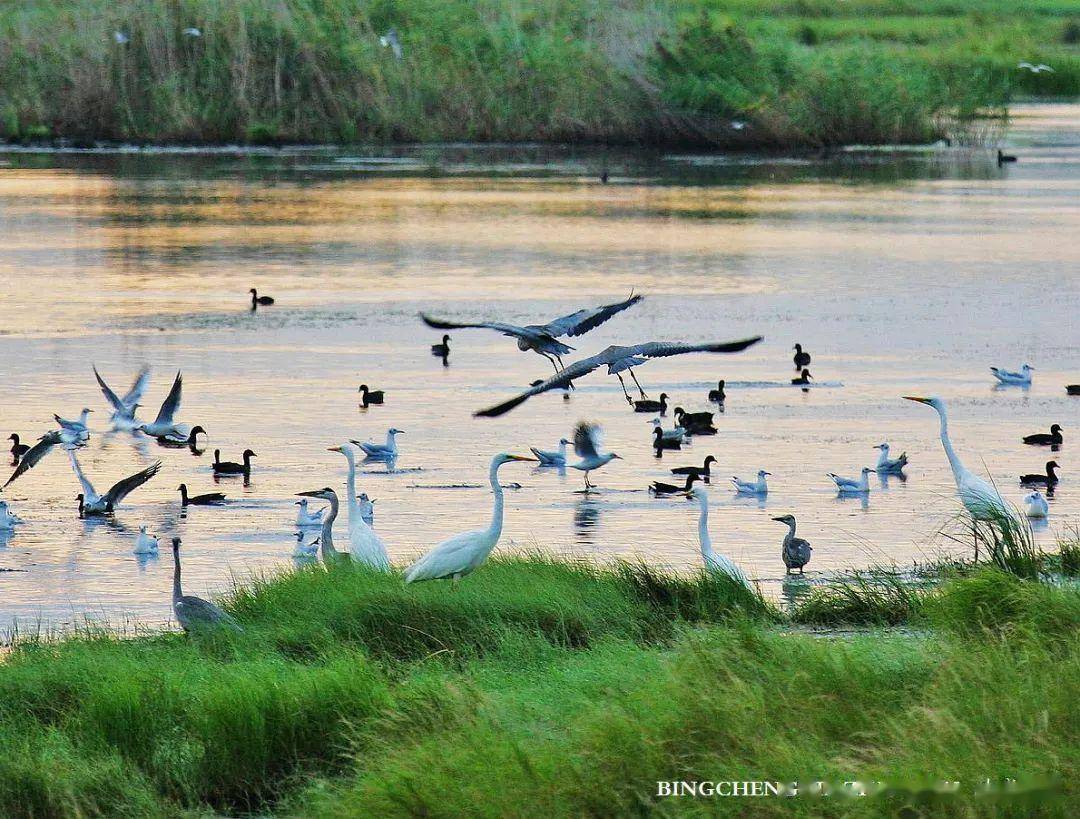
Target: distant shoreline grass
{"x": 732, "y": 73}
{"x": 574, "y": 688}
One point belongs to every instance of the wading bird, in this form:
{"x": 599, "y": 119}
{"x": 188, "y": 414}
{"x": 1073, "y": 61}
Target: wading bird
{"x": 587, "y": 444}
{"x": 366, "y": 506}
{"x": 852, "y": 486}
{"x": 91, "y": 504}
{"x": 617, "y": 359}
{"x": 364, "y": 545}
{"x": 8, "y": 519}
{"x": 758, "y": 487}
{"x": 231, "y": 467}
{"x": 209, "y": 499}
{"x": 257, "y": 300}
{"x": 1053, "y": 438}
{"x": 193, "y": 612}
{"x": 305, "y": 551}
{"x": 369, "y": 397}
{"x": 551, "y": 457}
{"x": 165, "y": 424}
{"x": 979, "y": 497}
{"x": 885, "y": 464}
{"x": 464, "y": 553}
{"x": 795, "y": 552}
{"x": 390, "y": 40}
{"x": 714, "y": 562}
{"x": 543, "y": 338}
{"x": 123, "y": 416}
{"x": 1035, "y": 69}
{"x": 1050, "y": 479}
{"x": 1023, "y": 376}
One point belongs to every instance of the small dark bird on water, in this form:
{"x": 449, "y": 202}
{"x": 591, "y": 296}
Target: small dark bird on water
{"x": 660, "y": 442}
{"x": 1072, "y": 389}
{"x": 370, "y": 396}
{"x": 804, "y": 377}
{"x": 191, "y": 442}
{"x": 702, "y": 471}
{"x": 17, "y": 449}
{"x": 800, "y": 358}
{"x": 649, "y": 405}
{"x": 208, "y": 499}
{"x": 441, "y": 350}
{"x": 257, "y": 300}
{"x": 1003, "y": 158}
{"x": 1049, "y": 479}
{"x": 604, "y": 177}
{"x": 660, "y": 488}
{"x": 232, "y": 468}
{"x": 1052, "y": 438}
{"x": 695, "y": 423}
{"x": 718, "y": 396}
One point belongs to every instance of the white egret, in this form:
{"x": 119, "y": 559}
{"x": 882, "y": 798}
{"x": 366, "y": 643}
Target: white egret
{"x": 93, "y": 504}
{"x": 462, "y": 554}
{"x": 365, "y": 546}
{"x": 194, "y": 612}
{"x": 979, "y": 497}
{"x": 587, "y": 444}
{"x": 758, "y": 487}
{"x": 795, "y": 552}
{"x": 714, "y": 562}
{"x": 853, "y": 486}
{"x": 1035, "y": 69}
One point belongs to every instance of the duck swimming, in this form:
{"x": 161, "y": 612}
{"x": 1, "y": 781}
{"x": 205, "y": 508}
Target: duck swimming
{"x": 1052, "y": 438}
{"x": 441, "y": 350}
{"x": 208, "y": 499}
{"x": 179, "y": 442}
{"x": 695, "y": 423}
{"x": 702, "y": 471}
{"x": 803, "y": 378}
{"x": 659, "y": 488}
{"x": 257, "y": 300}
{"x": 718, "y": 396}
{"x": 1049, "y": 479}
{"x": 649, "y": 405}
{"x": 660, "y": 442}
{"x": 369, "y": 397}
{"x": 800, "y": 358}
{"x": 17, "y": 449}
{"x": 232, "y": 468}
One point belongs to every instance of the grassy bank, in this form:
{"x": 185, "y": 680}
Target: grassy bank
{"x": 542, "y": 688}
{"x": 730, "y": 72}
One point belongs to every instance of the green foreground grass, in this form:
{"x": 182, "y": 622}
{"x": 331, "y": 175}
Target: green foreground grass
{"x": 730, "y": 72}
{"x": 545, "y": 688}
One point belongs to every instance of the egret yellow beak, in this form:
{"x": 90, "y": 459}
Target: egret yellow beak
{"x": 917, "y": 398}
{"x": 333, "y": 449}
{"x": 520, "y": 458}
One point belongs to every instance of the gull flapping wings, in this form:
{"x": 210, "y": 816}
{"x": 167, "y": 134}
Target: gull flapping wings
{"x": 89, "y": 493}
{"x": 122, "y": 488}
{"x": 171, "y": 403}
{"x": 587, "y": 440}
{"x": 615, "y": 355}
{"x": 33, "y": 455}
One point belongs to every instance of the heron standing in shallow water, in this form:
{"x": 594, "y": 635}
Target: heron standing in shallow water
{"x": 193, "y": 612}
{"x": 795, "y": 552}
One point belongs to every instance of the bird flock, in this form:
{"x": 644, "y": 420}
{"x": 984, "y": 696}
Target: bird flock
{"x": 462, "y": 554}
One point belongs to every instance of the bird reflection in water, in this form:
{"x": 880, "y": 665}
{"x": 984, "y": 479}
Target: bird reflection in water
{"x": 586, "y": 519}
{"x": 795, "y": 589}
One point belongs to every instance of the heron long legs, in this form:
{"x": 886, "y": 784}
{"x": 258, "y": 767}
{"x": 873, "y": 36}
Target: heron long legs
{"x": 629, "y": 400}
{"x": 643, "y": 395}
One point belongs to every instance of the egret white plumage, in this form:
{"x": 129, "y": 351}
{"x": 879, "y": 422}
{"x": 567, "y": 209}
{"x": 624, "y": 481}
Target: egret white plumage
{"x": 463, "y": 554}
{"x": 1021, "y": 376}
{"x": 387, "y": 451}
{"x": 714, "y": 562}
{"x": 617, "y": 359}
{"x": 306, "y": 518}
{"x": 979, "y": 497}
{"x": 551, "y": 457}
{"x": 794, "y": 551}
{"x": 145, "y": 543}
{"x": 543, "y": 338}
{"x": 758, "y": 487}
{"x": 853, "y": 486}
{"x": 364, "y": 545}
{"x": 123, "y": 416}
{"x": 8, "y": 519}
{"x": 193, "y": 612}
{"x": 588, "y": 442}
{"x": 885, "y": 464}
{"x": 165, "y": 424}
{"x": 93, "y": 504}
{"x": 1036, "y": 505}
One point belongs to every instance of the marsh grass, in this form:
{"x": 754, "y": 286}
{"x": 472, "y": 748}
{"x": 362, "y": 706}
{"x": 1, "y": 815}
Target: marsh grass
{"x": 861, "y": 599}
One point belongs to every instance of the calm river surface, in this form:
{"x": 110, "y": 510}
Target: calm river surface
{"x": 902, "y": 272}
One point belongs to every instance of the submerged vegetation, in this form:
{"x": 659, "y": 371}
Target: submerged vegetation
{"x": 574, "y": 688}
{"x": 733, "y": 72}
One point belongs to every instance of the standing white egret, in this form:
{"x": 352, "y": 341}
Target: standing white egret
{"x": 194, "y": 612}
{"x": 462, "y": 554}
{"x": 364, "y": 545}
{"x": 587, "y": 445}
{"x": 123, "y": 416}
{"x": 165, "y": 423}
{"x": 91, "y": 503}
{"x": 714, "y": 562}
{"x": 617, "y": 359}
{"x": 979, "y": 497}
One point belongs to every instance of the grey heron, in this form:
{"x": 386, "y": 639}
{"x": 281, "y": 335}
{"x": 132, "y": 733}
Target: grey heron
{"x": 209, "y": 499}
{"x": 587, "y": 444}
{"x": 543, "y": 338}
{"x": 165, "y": 423}
{"x": 330, "y": 555}
{"x": 231, "y": 467}
{"x": 93, "y": 504}
{"x": 193, "y": 612}
{"x": 795, "y": 552}
{"x": 714, "y": 562}
{"x": 463, "y": 554}
{"x": 617, "y": 359}
{"x": 33, "y": 456}
{"x": 123, "y": 416}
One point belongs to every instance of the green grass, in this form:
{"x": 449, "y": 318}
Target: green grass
{"x": 797, "y": 72}
{"x": 573, "y": 688}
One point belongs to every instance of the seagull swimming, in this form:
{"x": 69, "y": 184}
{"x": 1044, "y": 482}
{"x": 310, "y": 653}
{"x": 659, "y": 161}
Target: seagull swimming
{"x": 549, "y": 457}
{"x": 93, "y": 504}
{"x": 8, "y": 519}
{"x": 885, "y": 464}
{"x": 758, "y": 487}
{"x": 1035, "y": 505}
{"x": 145, "y": 544}
{"x": 123, "y": 416}
{"x": 305, "y": 518}
{"x": 853, "y": 486}
{"x": 385, "y": 452}
{"x": 366, "y": 506}
{"x": 1023, "y": 376}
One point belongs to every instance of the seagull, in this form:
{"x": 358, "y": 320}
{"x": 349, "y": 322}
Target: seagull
{"x": 93, "y": 504}
{"x": 305, "y": 551}
{"x": 543, "y": 338}
{"x": 145, "y": 544}
{"x": 257, "y": 300}
{"x": 165, "y": 425}
{"x": 209, "y": 499}
{"x": 123, "y": 416}
{"x": 74, "y": 426}
{"x": 390, "y": 40}
{"x": 1035, "y": 505}
{"x": 1050, "y": 479}
{"x": 17, "y": 449}
{"x": 885, "y": 464}
{"x": 366, "y": 507}
{"x": 1053, "y": 438}
{"x": 34, "y": 455}
{"x": 758, "y": 487}
{"x": 192, "y": 32}
{"x": 385, "y": 452}
{"x": 617, "y": 359}
{"x": 853, "y": 486}
{"x": 305, "y": 518}
{"x": 370, "y": 396}
{"x": 1035, "y": 69}
{"x": 795, "y": 551}
{"x": 587, "y": 444}
{"x": 800, "y": 358}
{"x": 549, "y": 457}
{"x": 676, "y": 433}
{"x": 1011, "y": 377}
{"x": 8, "y": 519}
{"x": 463, "y": 554}
{"x": 714, "y": 563}
{"x": 194, "y": 612}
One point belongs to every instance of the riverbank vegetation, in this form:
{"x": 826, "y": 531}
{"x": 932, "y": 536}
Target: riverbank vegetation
{"x": 749, "y": 73}
{"x": 541, "y": 687}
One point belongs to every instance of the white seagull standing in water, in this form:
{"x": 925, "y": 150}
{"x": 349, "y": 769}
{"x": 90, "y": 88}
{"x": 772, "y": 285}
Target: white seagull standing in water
{"x": 306, "y": 518}
{"x": 587, "y": 445}
{"x": 8, "y": 519}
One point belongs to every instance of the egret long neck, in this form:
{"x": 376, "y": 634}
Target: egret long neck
{"x": 703, "y": 530}
{"x": 950, "y": 453}
{"x": 350, "y": 488}
{"x": 176, "y": 591}
{"x": 495, "y": 529}
{"x": 326, "y": 537}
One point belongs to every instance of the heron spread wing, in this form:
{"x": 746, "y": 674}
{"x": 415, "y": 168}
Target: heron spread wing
{"x": 583, "y": 321}
{"x": 171, "y": 403}
{"x": 561, "y": 379}
{"x": 121, "y": 489}
{"x": 33, "y": 455}
{"x": 110, "y": 396}
{"x": 138, "y": 387}
{"x": 87, "y": 487}
{"x": 533, "y": 333}
{"x": 587, "y": 440}
{"x": 662, "y": 349}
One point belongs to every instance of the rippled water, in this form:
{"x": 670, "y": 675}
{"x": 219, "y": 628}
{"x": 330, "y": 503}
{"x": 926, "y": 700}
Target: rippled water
{"x": 906, "y": 271}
